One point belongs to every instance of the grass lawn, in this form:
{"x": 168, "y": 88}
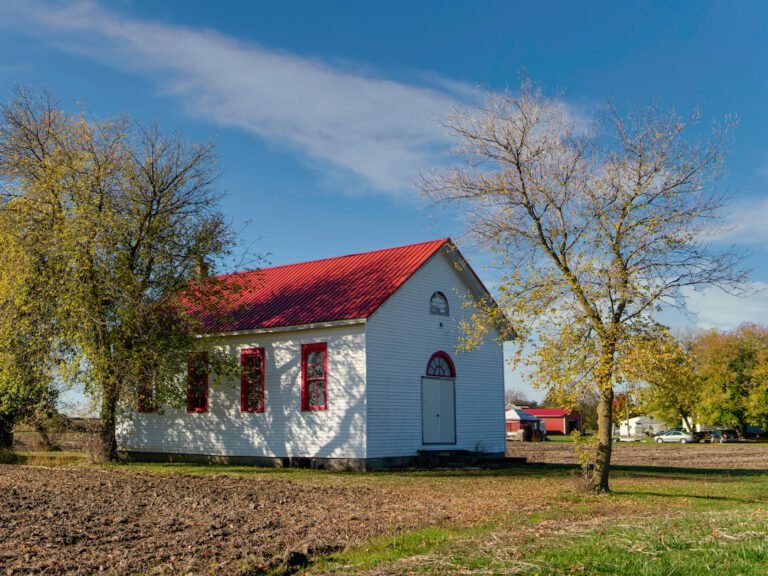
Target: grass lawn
{"x": 559, "y": 438}
{"x": 534, "y": 519}
{"x": 653, "y": 523}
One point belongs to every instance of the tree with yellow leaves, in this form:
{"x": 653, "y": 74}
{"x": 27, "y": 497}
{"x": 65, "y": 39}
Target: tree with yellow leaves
{"x": 733, "y": 367}
{"x": 118, "y": 220}
{"x": 663, "y": 372}
{"x": 597, "y": 226}
{"x": 29, "y": 336}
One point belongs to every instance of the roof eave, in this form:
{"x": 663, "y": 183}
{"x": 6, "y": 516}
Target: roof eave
{"x": 292, "y": 328}
{"x": 501, "y": 323}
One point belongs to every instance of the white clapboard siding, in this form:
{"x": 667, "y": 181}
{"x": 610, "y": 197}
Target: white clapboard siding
{"x": 401, "y": 336}
{"x": 282, "y": 430}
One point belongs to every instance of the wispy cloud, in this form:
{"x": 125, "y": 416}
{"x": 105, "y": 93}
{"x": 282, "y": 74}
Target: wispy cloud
{"x": 714, "y": 308}
{"x": 381, "y": 131}
{"x": 746, "y": 223}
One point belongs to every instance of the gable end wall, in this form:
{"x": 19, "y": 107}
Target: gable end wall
{"x": 401, "y": 336}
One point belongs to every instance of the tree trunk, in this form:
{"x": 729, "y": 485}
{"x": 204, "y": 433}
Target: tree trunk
{"x": 604, "y": 380}
{"x": 108, "y": 421}
{"x": 6, "y": 433}
{"x": 41, "y": 429}
{"x": 604, "y": 439}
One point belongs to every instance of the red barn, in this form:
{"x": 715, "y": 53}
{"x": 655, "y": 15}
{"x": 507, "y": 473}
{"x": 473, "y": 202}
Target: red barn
{"x": 557, "y": 420}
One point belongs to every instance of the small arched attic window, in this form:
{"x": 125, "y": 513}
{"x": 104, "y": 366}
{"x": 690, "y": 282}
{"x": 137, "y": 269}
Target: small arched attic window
{"x": 438, "y": 304}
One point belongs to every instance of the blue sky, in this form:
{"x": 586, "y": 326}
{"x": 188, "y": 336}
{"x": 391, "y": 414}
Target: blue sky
{"x": 325, "y": 112}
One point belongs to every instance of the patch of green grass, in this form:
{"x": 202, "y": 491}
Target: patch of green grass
{"x": 541, "y": 516}
{"x": 708, "y": 492}
{"x": 53, "y": 458}
{"x": 734, "y": 543}
{"x": 527, "y": 472}
{"x": 653, "y": 524}
{"x": 693, "y": 544}
{"x": 387, "y": 549}
{"x": 214, "y": 469}
{"x": 10, "y": 457}
{"x": 559, "y": 438}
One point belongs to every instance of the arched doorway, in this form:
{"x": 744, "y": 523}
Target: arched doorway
{"x": 438, "y": 401}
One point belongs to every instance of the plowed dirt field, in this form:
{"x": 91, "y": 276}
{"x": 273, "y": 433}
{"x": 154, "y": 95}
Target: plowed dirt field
{"x": 86, "y": 521}
{"x": 746, "y": 456}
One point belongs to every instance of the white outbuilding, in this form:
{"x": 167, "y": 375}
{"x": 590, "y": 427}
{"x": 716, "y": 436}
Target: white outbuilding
{"x": 641, "y": 427}
{"x": 347, "y": 362}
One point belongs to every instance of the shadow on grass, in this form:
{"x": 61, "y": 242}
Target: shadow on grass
{"x": 550, "y": 469}
{"x": 530, "y": 470}
{"x": 644, "y": 475}
{"x": 9, "y": 457}
{"x": 52, "y": 459}
{"x": 666, "y": 471}
{"x": 676, "y": 495}
{"x": 187, "y": 468}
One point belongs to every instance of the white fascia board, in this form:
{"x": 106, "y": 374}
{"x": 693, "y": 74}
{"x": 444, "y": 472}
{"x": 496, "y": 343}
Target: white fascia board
{"x": 295, "y": 328}
{"x": 476, "y": 286}
{"x": 462, "y": 266}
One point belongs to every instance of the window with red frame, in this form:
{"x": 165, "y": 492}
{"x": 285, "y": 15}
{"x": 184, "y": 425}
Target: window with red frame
{"x": 197, "y": 383}
{"x": 147, "y": 403}
{"x": 314, "y": 376}
{"x": 147, "y": 393}
{"x": 252, "y": 380}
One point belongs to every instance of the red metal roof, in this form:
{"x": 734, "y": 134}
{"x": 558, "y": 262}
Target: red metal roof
{"x": 551, "y": 412}
{"x": 342, "y": 288}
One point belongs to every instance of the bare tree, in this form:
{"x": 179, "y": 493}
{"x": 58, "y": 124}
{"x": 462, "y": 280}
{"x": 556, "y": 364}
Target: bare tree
{"x": 598, "y": 227}
{"x": 517, "y": 398}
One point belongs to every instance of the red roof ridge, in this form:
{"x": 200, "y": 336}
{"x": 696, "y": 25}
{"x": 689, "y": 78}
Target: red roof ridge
{"x": 439, "y": 241}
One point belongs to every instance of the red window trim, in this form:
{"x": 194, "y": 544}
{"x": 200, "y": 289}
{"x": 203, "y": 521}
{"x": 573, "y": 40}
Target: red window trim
{"x": 244, "y": 383}
{"x": 202, "y": 356}
{"x": 306, "y": 349}
{"x": 449, "y": 361}
{"x": 147, "y": 403}
{"x": 147, "y": 394}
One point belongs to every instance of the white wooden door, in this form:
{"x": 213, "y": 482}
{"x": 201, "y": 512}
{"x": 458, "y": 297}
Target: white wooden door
{"x": 438, "y": 410}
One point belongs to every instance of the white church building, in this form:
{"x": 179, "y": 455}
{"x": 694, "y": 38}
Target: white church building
{"x": 347, "y": 362}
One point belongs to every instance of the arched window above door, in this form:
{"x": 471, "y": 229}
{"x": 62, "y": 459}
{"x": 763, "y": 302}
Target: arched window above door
{"x": 440, "y": 365}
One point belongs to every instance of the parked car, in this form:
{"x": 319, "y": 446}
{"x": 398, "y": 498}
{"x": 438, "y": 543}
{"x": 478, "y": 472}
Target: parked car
{"x": 724, "y": 435}
{"x": 701, "y": 436}
{"x": 674, "y": 436}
